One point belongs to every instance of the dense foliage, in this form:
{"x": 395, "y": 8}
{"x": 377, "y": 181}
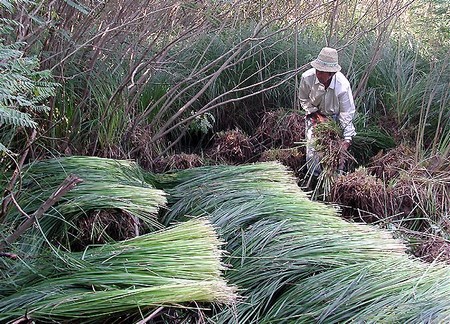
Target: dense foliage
{"x": 181, "y": 84}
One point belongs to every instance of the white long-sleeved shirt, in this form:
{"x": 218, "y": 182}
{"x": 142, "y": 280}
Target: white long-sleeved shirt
{"x": 336, "y": 100}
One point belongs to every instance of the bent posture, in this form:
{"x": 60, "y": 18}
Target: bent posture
{"x": 326, "y": 93}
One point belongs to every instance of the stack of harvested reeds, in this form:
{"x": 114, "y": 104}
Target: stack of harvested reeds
{"x": 178, "y": 265}
{"x": 107, "y": 184}
{"x": 296, "y": 260}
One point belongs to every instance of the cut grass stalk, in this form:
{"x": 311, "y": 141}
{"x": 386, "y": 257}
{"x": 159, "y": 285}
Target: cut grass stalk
{"x": 177, "y": 265}
{"x": 107, "y": 184}
{"x": 295, "y": 260}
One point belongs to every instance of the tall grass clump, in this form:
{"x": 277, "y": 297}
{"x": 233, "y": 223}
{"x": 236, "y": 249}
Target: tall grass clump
{"x": 88, "y": 114}
{"x": 415, "y": 93}
{"x": 107, "y": 184}
{"x": 283, "y": 247}
{"x": 168, "y": 268}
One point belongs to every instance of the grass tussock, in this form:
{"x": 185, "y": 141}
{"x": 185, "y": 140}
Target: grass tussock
{"x": 363, "y": 197}
{"x": 232, "y": 147}
{"x": 389, "y": 164}
{"x": 280, "y": 129}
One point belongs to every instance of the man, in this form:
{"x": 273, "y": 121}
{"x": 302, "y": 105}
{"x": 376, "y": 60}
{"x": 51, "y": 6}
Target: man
{"x": 326, "y": 93}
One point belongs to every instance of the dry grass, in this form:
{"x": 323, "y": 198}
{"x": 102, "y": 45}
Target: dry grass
{"x": 281, "y": 129}
{"x": 232, "y": 147}
{"x": 293, "y": 158}
{"x": 180, "y": 161}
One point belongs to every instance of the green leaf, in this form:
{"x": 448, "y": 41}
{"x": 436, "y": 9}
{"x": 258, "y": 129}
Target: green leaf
{"x": 13, "y": 117}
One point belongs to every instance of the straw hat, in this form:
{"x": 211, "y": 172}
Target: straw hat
{"x": 327, "y": 61}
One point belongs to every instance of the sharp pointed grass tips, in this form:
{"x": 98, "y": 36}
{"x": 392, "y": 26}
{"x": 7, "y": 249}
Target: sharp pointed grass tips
{"x": 296, "y": 260}
{"x": 178, "y": 265}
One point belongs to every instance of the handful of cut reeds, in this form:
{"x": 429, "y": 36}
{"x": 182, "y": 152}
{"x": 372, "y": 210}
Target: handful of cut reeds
{"x": 328, "y": 146}
{"x": 166, "y": 268}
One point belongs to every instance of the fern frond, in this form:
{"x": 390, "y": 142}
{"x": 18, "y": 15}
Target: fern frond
{"x": 6, "y": 4}
{"x": 8, "y": 53}
{"x": 40, "y": 108}
{"x": 23, "y": 88}
{"x": 13, "y": 117}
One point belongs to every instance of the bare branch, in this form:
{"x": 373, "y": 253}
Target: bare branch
{"x": 68, "y": 184}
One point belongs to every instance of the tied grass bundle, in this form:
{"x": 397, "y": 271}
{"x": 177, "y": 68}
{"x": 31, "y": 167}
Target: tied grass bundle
{"x": 107, "y": 184}
{"x": 296, "y": 260}
{"x": 177, "y": 265}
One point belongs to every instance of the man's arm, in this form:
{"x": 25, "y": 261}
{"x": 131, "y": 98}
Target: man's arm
{"x": 346, "y": 114}
{"x": 304, "y": 97}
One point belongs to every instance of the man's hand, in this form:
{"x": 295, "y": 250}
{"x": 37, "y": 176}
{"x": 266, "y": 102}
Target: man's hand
{"x": 317, "y": 118}
{"x": 345, "y": 144}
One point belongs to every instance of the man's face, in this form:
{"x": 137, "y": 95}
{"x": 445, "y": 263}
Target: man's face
{"x": 324, "y": 77}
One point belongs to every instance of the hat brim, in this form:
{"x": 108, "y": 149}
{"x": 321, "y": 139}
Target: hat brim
{"x": 325, "y": 68}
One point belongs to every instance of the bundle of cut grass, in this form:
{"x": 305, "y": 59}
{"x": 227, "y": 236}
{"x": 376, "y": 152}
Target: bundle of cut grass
{"x": 107, "y": 184}
{"x": 327, "y": 144}
{"x": 390, "y": 290}
{"x": 233, "y": 147}
{"x": 296, "y": 260}
{"x": 281, "y": 129}
{"x": 178, "y": 265}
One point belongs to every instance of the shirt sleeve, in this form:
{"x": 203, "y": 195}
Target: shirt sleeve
{"x": 304, "y": 97}
{"x": 346, "y": 113}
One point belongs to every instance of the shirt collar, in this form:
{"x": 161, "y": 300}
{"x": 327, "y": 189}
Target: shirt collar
{"x": 332, "y": 83}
